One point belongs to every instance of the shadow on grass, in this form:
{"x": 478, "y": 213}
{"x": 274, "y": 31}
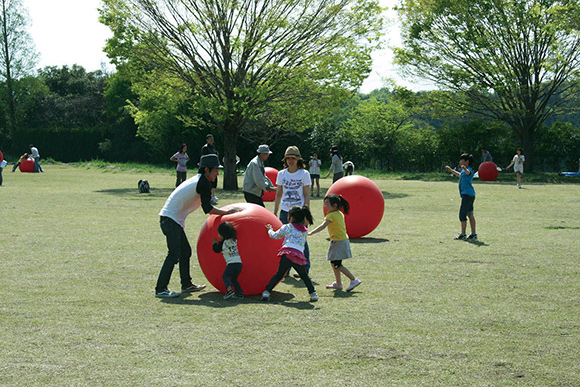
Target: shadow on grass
{"x": 369, "y": 240}
{"x": 216, "y": 300}
{"x": 133, "y": 193}
{"x": 477, "y": 243}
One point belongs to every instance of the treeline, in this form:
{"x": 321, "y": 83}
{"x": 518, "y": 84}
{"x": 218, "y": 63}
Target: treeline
{"x": 74, "y": 115}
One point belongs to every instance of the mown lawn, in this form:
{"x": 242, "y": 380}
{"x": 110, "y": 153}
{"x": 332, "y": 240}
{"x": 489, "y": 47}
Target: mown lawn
{"x": 81, "y": 251}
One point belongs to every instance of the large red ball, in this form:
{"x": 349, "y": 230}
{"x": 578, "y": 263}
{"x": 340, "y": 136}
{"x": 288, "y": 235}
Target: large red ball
{"x": 257, "y": 250}
{"x": 27, "y": 165}
{"x": 366, "y": 201}
{"x": 488, "y": 171}
{"x": 272, "y": 174}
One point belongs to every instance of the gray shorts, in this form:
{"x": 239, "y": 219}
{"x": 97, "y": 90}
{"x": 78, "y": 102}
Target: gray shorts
{"x": 339, "y": 250}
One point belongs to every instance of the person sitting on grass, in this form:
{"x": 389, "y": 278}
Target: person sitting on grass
{"x": 467, "y": 193}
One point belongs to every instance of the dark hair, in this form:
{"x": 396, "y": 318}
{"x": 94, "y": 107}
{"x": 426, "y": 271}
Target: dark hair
{"x": 339, "y": 201}
{"x": 181, "y": 147}
{"x": 521, "y": 150}
{"x": 300, "y": 164}
{"x": 468, "y": 157}
{"x": 334, "y": 151}
{"x": 227, "y": 230}
{"x": 298, "y": 214}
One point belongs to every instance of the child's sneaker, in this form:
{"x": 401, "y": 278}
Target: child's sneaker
{"x": 229, "y": 294}
{"x": 353, "y": 284}
{"x": 313, "y": 297}
{"x": 460, "y": 237}
{"x": 472, "y": 237}
{"x": 167, "y": 294}
{"x": 266, "y": 296}
{"x": 334, "y": 285}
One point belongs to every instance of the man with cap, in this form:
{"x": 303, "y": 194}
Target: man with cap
{"x": 186, "y": 198}
{"x": 255, "y": 180}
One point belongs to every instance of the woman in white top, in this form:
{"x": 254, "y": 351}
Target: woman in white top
{"x": 314, "y": 165}
{"x": 518, "y": 163}
{"x": 293, "y": 188}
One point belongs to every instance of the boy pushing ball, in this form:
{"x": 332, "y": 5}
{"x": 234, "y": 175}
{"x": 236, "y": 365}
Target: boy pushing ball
{"x": 467, "y": 193}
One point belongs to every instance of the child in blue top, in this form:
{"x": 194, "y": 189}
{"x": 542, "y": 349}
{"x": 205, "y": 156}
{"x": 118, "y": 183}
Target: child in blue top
{"x": 467, "y": 193}
{"x": 292, "y": 251}
{"x": 228, "y": 246}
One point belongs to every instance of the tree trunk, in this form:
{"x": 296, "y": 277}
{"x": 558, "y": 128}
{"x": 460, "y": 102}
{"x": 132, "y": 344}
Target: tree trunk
{"x": 230, "y": 133}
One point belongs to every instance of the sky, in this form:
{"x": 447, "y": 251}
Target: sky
{"x": 67, "y": 32}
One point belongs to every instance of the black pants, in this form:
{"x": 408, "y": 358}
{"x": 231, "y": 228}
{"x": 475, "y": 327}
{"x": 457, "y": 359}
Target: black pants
{"x": 230, "y": 277}
{"x": 179, "y": 251}
{"x": 181, "y": 177}
{"x": 251, "y": 198}
{"x": 285, "y": 265}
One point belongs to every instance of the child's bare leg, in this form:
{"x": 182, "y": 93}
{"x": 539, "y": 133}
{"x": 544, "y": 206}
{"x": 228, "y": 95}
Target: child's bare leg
{"x": 519, "y": 176}
{"x": 471, "y": 223}
{"x": 463, "y": 226}
{"x": 347, "y": 273}
{"x": 318, "y": 187}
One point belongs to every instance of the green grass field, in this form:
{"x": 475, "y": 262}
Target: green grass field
{"x": 81, "y": 251}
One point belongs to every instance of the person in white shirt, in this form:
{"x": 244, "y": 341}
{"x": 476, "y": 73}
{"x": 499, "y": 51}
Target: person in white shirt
{"x": 293, "y": 188}
{"x": 188, "y": 197}
{"x": 518, "y": 163}
{"x": 228, "y": 246}
{"x": 36, "y": 157}
{"x": 314, "y": 165}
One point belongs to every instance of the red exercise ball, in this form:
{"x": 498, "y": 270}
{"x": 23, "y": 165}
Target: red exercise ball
{"x": 257, "y": 250}
{"x": 272, "y": 174}
{"x": 488, "y": 171}
{"x": 366, "y": 201}
{"x": 27, "y": 165}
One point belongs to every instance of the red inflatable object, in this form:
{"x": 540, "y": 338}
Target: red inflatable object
{"x": 488, "y": 171}
{"x": 272, "y": 174}
{"x": 257, "y": 250}
{"x": 367, "y": 204}
{"x": 27, "y": 165}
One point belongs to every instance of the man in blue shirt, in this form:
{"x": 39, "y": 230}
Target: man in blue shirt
{"x": 467, "y": 193}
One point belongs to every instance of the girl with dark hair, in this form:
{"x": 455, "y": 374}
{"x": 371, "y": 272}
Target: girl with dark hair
{"x": 228, "y": 246}
{"x": 339, "y": 248}
{"x": 336, "y": 164}
{"x": 181, "y": 158}
{"x": 292, "y": 251}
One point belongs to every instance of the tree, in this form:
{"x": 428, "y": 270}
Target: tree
{"x": 242, "y": 58}
{"x": 17, "y": 53}
{"x": 515, "y": 61}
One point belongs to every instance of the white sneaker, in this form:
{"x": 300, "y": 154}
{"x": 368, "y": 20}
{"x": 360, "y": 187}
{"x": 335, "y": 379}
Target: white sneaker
{"x": 313, "y": 297}
{"x": 353, "y": 284}
{"x": 519, "y": 186}
{"x": 266, "y": 296}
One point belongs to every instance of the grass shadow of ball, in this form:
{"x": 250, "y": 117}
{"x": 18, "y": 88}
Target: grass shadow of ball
{"x": 369, "y": 240}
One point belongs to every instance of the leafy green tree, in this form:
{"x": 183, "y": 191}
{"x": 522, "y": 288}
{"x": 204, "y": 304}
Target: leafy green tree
{"x": 17, "y": 52}
{"x": 242, "y": 59}
{"x": 513, "y": 61}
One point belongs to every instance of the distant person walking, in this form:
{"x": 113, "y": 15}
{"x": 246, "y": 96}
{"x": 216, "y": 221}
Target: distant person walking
{"x": 348, "y": 168}
{"x": 314, "y": 165}
{"x": 209, "y": 149}
{"x": 255, "y": 180}
{"x": 486, "y": 156}
{"x": 36, "y": 157}
{"x": 518, "y": 163}
{"x": 336, "y": 164}
{"x": 181, "y": 158}
{"x": 2, "y": 164}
